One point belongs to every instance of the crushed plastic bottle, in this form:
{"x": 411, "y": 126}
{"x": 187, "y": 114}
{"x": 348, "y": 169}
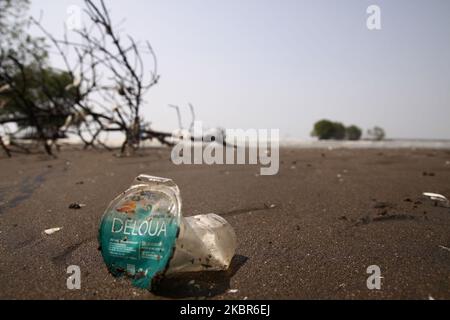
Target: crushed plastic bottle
{"x": 206, "y": 242}
{"x": 143, "y": 234}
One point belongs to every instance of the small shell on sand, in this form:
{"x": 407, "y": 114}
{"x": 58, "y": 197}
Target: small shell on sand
{"x": 52, "y": 230}
{"x": 435, "y": 196}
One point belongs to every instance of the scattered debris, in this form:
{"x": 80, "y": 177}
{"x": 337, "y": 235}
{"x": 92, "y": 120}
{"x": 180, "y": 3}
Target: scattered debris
{"x": 233, "y": 291}
{"x": 383, "y": 213}
{"x": 438, "y": 198}
{"x": 382, "y": 205}
{"x": 52, "y": 231}
{"x": 364, "y": 220}
{"x": 76, "y": 206}
{"x": 269, "y": 206}
{"x": 247, "y": 210}
{"x": 384, "y": 216}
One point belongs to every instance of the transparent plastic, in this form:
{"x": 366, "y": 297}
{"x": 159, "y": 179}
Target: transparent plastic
{"x": 144, "y": 235}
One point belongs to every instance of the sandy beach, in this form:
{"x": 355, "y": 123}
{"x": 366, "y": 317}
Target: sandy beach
{"x": 309, "y": 232}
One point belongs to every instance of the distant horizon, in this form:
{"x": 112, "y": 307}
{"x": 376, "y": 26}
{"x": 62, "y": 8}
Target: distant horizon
{"x": 288, "y": 64}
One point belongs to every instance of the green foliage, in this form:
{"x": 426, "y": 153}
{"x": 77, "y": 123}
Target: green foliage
{"x": 41, "y": 97}
{"x": 377, "y": 133}
{"x": 353, "y": 133}
{"x": 339, "y": 131}
{"x": 325, "y": 130}
{"x": 29, "y": 91}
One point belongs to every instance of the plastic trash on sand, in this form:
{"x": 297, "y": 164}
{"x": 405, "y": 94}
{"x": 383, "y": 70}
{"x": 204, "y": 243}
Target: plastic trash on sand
{"x": 144, "y": 236}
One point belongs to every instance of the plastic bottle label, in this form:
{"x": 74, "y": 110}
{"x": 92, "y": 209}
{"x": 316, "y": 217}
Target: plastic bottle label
{"x": 137, "y": 236}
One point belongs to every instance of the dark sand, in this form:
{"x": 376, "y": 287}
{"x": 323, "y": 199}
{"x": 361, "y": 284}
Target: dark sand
{"x": 316, "y": 243}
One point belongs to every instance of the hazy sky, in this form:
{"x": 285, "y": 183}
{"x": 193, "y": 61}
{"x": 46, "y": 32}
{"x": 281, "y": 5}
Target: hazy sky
{"x": 285, "y": 64}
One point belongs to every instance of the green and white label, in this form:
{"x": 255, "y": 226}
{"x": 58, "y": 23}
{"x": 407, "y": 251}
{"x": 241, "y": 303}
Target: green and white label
{"x": 137, "y": 236}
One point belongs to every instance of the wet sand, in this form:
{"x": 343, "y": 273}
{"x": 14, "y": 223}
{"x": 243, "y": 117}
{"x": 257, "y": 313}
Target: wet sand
{"x": 309, "y": 232}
